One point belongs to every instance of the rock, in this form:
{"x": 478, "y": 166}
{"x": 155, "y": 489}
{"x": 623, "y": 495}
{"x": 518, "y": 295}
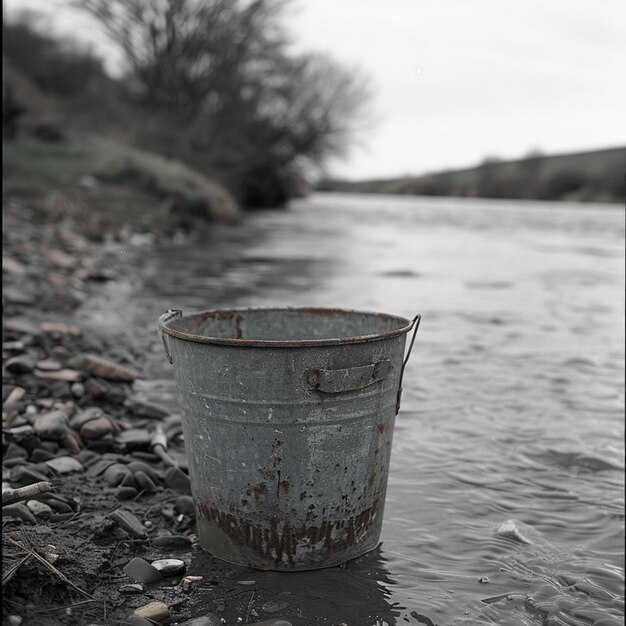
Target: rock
{"x": 14, "y": 451}
{"x": 185, "y": 504}
{"x": 115, "y": 474}
{"x": 172, "y": 542}
{"x": 145, "y": 482}
{"x": 99, "y": 467}
{"x": 131, "y": 588}
{"x": 21, "y": 364}
{"x": 99, "y": 366}
{"x": 126, "y": 493}
{"x": 82, "y": 417}
{"x": 52, "y": 425}
{"x": 14, "y": 620}
{"x": 39, "y": 455}
{"x": 16, "y": 394}
{"x": 39, "y": 509}
{"x": 78, "y": 390}
{"x": 20, "y": 433}
{"x": 96, "y": 387}
{"x": 141, "y": 571}
{"x": 27, "y": 475}
{"x": 128, "y": 481}
{"x": 20, "y": 326}
{"x": 138, "y": 466}
{"x": 13, "y": 346}
{"x": 176, "y": 479}
{"x": 133, "y": 438}
{"x": 65, "y": 465}
{"x": 64, "y": 375}
{"x": 483, "y": 580}
{"x": 87, "y": 457}
{"x": 246, "y": 583}
{"x": 128, "y": 522}
{"x": 60, "y": 259}
{"x": 60, "y": 517}
{"x": 60, "y": 328}
{"x": 271, "y": 622}
{"x": 48, "y": 365}
{"x": 145, "y": 409}
{"x": 58, "y": 505}
{"x": 18, "y": 511}
{"x": 169, "y": 567}
{"x": 13, "y": 266}
{"x": 94, "y": 429}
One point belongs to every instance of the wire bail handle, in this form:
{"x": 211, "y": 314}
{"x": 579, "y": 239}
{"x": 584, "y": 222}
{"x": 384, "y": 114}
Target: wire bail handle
{"x": 166, "y": 317}
{"x": 416, "y": 324}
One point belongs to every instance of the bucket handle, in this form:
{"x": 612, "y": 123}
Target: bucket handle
{"x": 166, "y": 317}
{"x": 416, "y": 324}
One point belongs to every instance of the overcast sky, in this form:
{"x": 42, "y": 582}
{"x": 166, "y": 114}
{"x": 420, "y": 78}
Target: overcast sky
{"x": 455, "y": 81}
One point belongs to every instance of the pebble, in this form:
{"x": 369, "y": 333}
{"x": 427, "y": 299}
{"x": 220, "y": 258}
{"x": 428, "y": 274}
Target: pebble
{"x": 176, "y": 479}
{"x": 96, "y": 428}
{"x": 14, "y": 451}
{"x": 64, "y": 375}
{"x": 48, "y": 365}
{"x": 78, "y": 390}
{"x": 184, "y": 504}
{"x": 483, "y": 580}
{"x": 51, "y": 425}
{"x": 131, "y": 588}
{"x": 129, "y": 522}
{"x": 100, "y": 466}
{"x": 140, "y": 466}
{"x": 39, "y": 509}
{"x": 39, "y": 455}
{"x": 104, "y": 368}
{"x": 141, "y": 571}
{"x": 20, "y": 326}
{"x": 172, "y": 542}
{"x": 133, "y": 438}
{"x": 84, "y": 416}
{"x": 169, "y": 567}
{"x": 126, "y": 493}
{"x": 145, "y": 482}
{"x": 19, "y": 511}
{"x": 115, "y": 474}
{"x": 17, "y": 393}
{"x": 146, "y": 409}
{"x": 14, "y": 620}
{"x": 20, "y": 433}
{"x": 155, "y": 611}
{"x": 59, "y": 328}
{"x": 65, "y": 465}
{"x": 22, "y": 364}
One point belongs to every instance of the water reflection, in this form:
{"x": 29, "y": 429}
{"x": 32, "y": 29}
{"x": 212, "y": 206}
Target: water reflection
{"x": 356, "y": 593}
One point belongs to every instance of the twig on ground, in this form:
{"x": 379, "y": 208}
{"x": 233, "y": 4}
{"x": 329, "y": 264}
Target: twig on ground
{"x": 158, "y": 444}
{"x": 11, "y": 496}
{"x": 13, "y": 569}
{"x": 51, "y": 567}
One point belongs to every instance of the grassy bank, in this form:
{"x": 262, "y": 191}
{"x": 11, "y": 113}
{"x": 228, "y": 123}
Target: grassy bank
{"x": 119, "y": 183}
{"x": 585, "y": 176}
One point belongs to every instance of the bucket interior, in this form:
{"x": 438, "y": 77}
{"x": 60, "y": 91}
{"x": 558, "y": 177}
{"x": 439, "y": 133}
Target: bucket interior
{"x": 285, "y": 325}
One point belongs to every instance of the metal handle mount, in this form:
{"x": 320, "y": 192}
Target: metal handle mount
{"x": 416, "y": 324}
{"x": 166, "y": 317}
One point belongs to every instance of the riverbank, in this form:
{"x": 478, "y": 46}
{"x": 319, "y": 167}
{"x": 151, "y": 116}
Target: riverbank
{"x": 110, "y": 494}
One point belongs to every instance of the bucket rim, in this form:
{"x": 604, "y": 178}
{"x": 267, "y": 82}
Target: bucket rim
{"x": 290, "y": 343}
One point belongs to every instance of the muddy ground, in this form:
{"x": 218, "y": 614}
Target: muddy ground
{"x": 117, "y": 466}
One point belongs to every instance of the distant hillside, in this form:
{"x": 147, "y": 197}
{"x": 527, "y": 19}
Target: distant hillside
{"x": 596, "y": 176}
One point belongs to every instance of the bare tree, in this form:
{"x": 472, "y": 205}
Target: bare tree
{"x": 244, "y": 109}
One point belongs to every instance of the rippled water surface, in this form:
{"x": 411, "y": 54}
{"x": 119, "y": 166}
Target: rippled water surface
{"x": 508, "y": 454}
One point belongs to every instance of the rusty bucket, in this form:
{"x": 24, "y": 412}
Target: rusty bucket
{"x": 288, "y": 419}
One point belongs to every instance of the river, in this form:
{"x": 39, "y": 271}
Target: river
{"x": 505, "y": 501}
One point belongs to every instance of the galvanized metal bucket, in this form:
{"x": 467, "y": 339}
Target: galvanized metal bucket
{"x": 288, "y": 418}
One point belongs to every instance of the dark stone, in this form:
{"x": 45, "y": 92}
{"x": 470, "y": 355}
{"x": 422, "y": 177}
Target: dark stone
{"x": 141, "y": 571}
{"x": 129, "y": 522}
{"x": 126, "y": 493}
{"x": 176, "y": 479}
{"x": 145, "y": 483}
{"x": 138, "y": 466}
{"x": 185, "y": 504}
